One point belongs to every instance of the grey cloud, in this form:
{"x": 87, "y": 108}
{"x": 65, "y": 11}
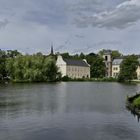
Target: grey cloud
{"x": 80, "y": 36}
{"x": 65, "y": 45}
{"x": 124, "y": 15}
{"x": 44, "y": 17}
{"x": 49, "y": 12}
{"x": 98, "y": 45}
{"x": 86, "y": 7}
{"x": 3, "y": 23}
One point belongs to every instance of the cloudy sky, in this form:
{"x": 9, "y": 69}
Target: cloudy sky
{"x": 71, "y": 25}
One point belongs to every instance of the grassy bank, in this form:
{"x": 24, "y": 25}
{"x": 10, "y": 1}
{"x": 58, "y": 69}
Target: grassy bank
{"x": 67, "y": 79}
{"x": 64, "y": 79}
{"x": 133, "y": 104}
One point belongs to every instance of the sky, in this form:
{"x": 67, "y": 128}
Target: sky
{"x": 72, "y": 26}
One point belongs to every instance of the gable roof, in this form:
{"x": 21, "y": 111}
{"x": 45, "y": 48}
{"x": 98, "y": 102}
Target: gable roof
{"x": 73, "y": 62}
{"x": 117, "y": 61}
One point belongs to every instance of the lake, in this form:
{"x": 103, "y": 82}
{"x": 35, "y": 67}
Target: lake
{"x": 67, "y": 111}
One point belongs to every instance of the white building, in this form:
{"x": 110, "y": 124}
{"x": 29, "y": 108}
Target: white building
{"x": 116, "y": 67}
{"x": 73, "y": 68}
{"x": 138, "y": 70}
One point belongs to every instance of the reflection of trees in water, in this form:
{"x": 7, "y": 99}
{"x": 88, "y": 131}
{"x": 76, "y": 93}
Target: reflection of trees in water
{"x": 9, "y": 106}
{"x": 136, "y": 115}
{"x": 24, "y": 100}
{"x": 8, "y": 102}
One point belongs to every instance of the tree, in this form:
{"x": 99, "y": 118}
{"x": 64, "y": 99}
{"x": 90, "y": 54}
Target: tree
{"x": 114, "y": 53}
{"x": 90, "y": 57}
{"x": 50, "y": 70}
{"x": 128, "y": 69}
{"x": 12, "y": 53}
{"x": 32, "y": 68}
{"x": 98, "y": 68}
{"x": 65, "y": 55}
{"x": 3, "y": 73}
{"x": 82, "y": 56}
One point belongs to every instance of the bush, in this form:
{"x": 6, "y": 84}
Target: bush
{"x": 66, "y": 78}
{"x": 136, "y": 102}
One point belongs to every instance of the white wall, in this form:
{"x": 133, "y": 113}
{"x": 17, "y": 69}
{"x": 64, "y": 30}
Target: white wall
{"x": 78, "y": 71}
{"x": 72, "y": 71}
{"x": 115, "y": 70}
{"x": 61, "y": 64}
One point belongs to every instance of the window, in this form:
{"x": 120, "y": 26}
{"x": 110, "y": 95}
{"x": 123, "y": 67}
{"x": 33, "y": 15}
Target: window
{"x": 106, "y": 58}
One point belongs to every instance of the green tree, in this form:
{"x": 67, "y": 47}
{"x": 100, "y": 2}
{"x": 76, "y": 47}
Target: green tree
{"x": 66, "y": 55}
{"x": 82, "y": 56}
{"x": 3, "y": 72}
{"x": 114, "y": 53}
{"x": 128, "y": 69}
{"x": 98, "y": 68}
{"x": 13, "y": 53}
{"x": 50, "y": 70}
{"x": 36, "y": 68}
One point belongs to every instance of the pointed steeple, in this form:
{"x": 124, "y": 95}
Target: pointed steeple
{"x": 52, "y": 49}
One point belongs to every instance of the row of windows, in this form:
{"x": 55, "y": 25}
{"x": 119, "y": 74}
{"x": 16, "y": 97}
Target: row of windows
{"x": 76, "y": 69}
{"x": 115, "y": 68}
{"x": 78, "y": 75}
{"x": 115, "y": 74}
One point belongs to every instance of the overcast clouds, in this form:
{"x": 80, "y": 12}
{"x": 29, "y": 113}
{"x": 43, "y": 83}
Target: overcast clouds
{"x": 72, "y": 25}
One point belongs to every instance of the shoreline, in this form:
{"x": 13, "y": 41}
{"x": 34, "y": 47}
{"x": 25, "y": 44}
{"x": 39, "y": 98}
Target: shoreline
{"x": 130, "y": 105}
{"x": 110, "y": 80}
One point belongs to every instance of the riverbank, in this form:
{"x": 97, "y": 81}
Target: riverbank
{"x": 67, "y": 79}
{"x": 64, "y": 79}
{"x": 133, "y": 104}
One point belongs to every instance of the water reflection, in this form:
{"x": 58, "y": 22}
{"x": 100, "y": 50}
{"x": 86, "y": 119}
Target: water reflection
{"x": 137, "y": 116}
{"x": 74, "y": 110}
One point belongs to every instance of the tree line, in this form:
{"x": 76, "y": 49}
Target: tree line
{"x": 15, "y": 66}
{"x": 27, "y": 68}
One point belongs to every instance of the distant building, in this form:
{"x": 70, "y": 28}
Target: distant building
{"x": 108, "y": 62}
{"x": 138, "y": 70}
{"x": 52, "y": 53}
{"x": 73, "y": 68}
{"x": 116, "y": 67}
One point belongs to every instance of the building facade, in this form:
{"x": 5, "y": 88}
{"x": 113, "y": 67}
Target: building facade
{"x": 108, "y": 62}
{"x": 138, "y": 70}
{"x": 116, "y": 67}
{"x": 73, "y": 68}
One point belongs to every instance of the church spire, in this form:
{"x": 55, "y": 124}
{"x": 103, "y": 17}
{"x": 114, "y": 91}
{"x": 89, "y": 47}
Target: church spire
{"x": 52, "y": 53}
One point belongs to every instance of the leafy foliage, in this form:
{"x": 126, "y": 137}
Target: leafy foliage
{"x": 2, "y": 64}
{"x": 32, "y": 68}
{"x": 136, "y": 102}
{"x": 128, "y": 68}
{"x": 97, "y": 66}
{"x": 114, "y": 53}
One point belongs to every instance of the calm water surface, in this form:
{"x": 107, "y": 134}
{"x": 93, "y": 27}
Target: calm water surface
{"x": 67, "y": 111}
